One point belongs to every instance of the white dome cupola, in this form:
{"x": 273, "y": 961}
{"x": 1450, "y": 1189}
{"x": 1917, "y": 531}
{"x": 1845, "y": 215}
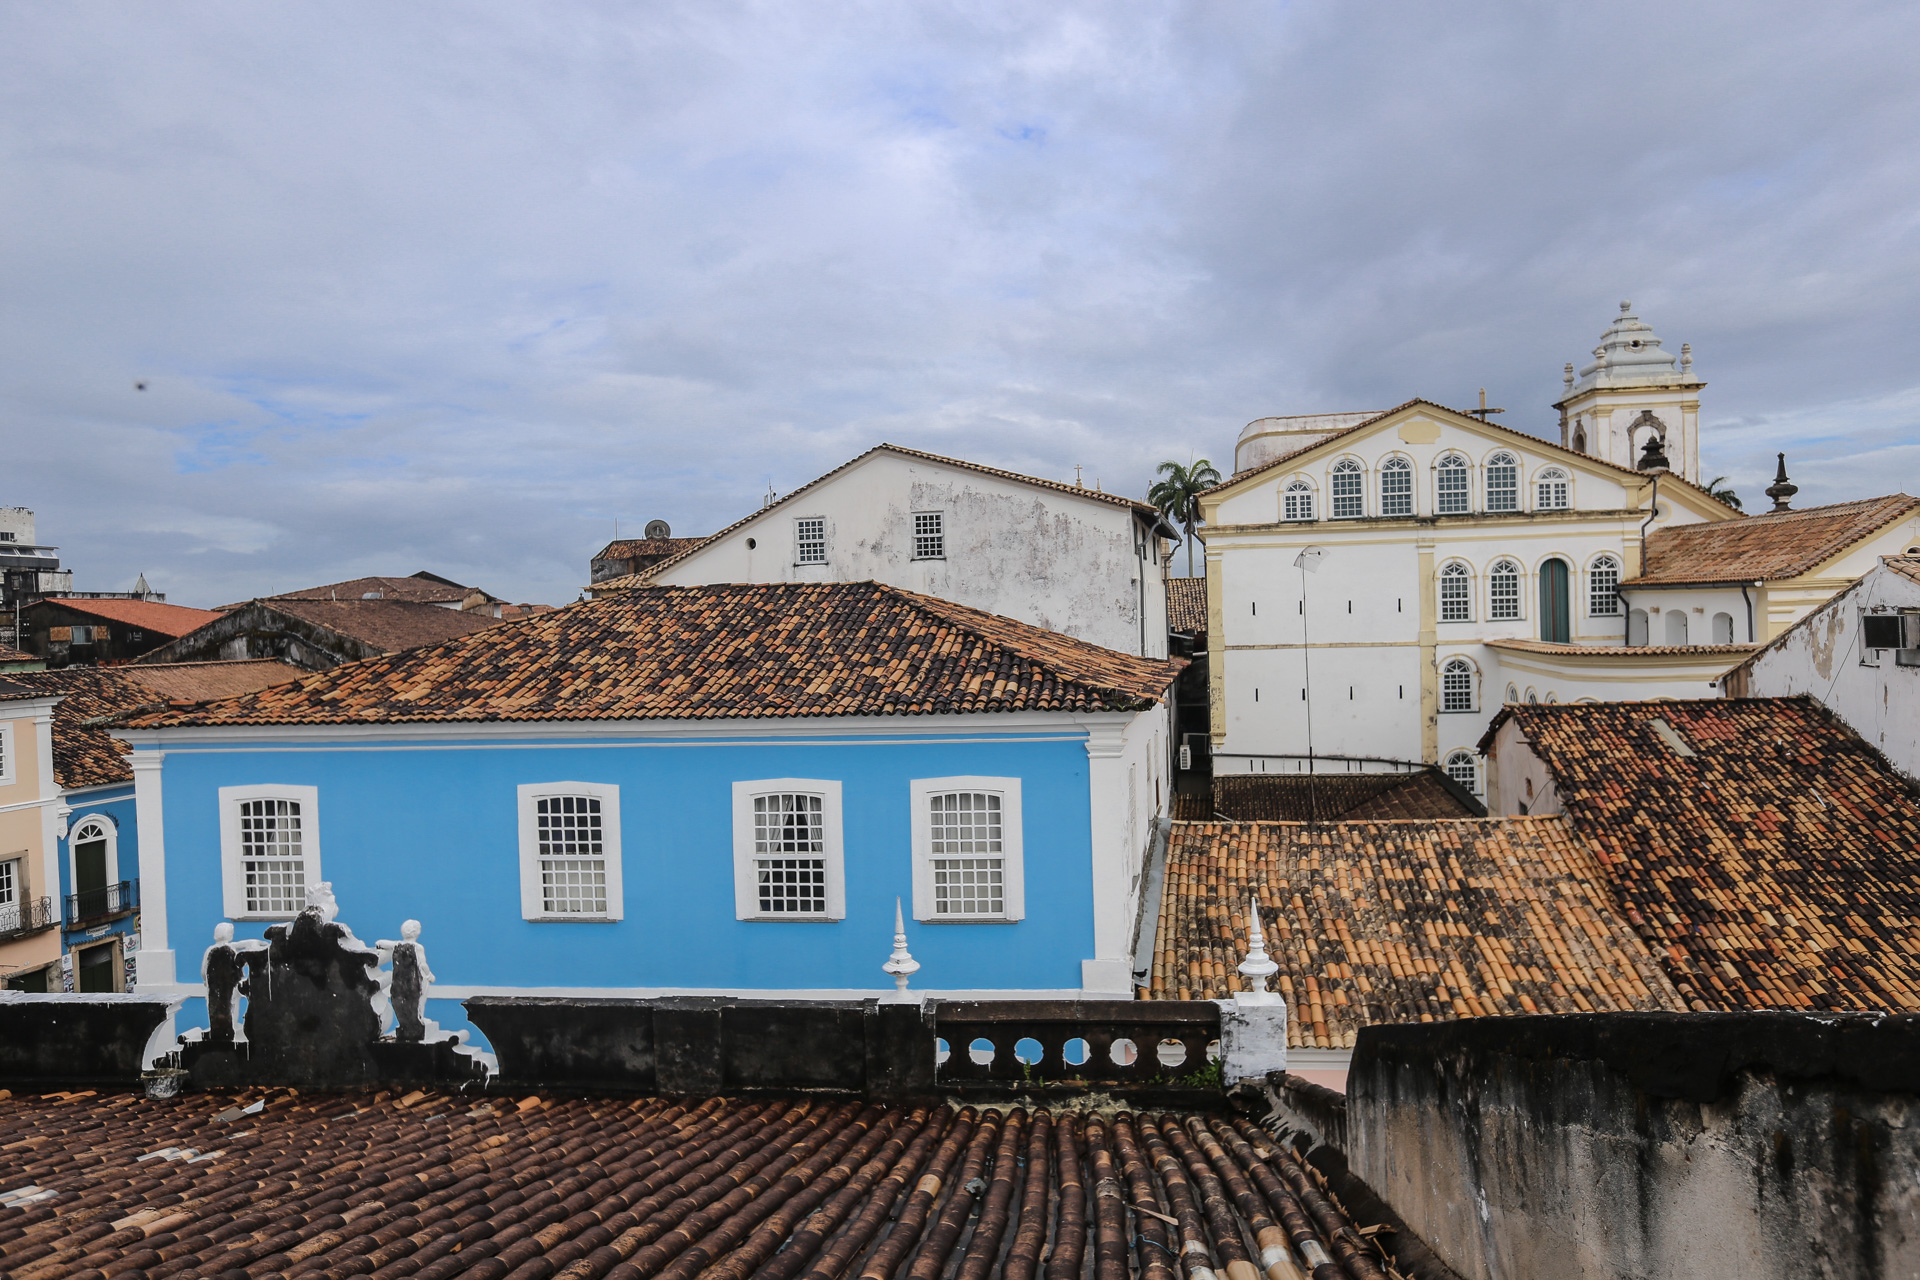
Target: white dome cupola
{"x": 1633, "y": 388}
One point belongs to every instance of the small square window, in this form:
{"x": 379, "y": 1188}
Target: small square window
{"x": 570, "y": 851}
{"x": 967, "y": 850}
{"x": 270, "y": 850}
{"x": 810, "y": 540}
{"x": 929, "y": 535}
{"x": 1880, "y": 631}
{"x": 787, "y": 850}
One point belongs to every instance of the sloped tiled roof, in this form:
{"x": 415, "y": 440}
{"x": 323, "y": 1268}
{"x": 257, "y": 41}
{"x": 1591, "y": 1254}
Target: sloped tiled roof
{"x": 642, "y": 578}
{"x": 633, "y": 548}
{"x": 86, "y": 755}
{"x": 421, "y": 588}
{"x": 10, "y": 654}
{"x": 392, "y": 625}
{"x": 1906, "y": 566}
{"x": 1400, "y": 922}
{"x": 721, "y": 651}
{"x": 1616, "y": 650}
{"x": 438, "y": 1185}
{"x": 1187, "y": 605}
{"x": 148, "y": 615}
{"x": 1351, "y": 797}
{"x": 1768, "y": 546}
{"x": 1520, "y": 437}
{"x": 1776, "y": 867}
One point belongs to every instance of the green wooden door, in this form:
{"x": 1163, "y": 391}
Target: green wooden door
{"x": 90, "y": 878}
{"x": 1556, "y": 611}
{"x": 96, "y": 968}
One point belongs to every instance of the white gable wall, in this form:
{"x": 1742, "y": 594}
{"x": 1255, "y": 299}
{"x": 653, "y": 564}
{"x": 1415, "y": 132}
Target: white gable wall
{"x": 1077, "y": 565}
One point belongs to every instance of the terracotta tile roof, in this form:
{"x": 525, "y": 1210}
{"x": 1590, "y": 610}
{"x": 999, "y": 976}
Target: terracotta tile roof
{"x": 1767, "y": 546}
{"x": 1353, "y": 797}
{"x": 1400, "y": 922}
{"x": 721, "y": 651}
{"x": 1777, "y": 866}
{"x": 1618, "y": 650}
{"x": 10, "y": 654}
{"x": 640, "y": 579}
{"x": 1520, "y": 437}
{"x": 435, "y": 1185}
{"x": 148, "y": 615}
{"x": 86, "y": 755}
{"x": 1187, "y": 605}
{"x": 421, "y": 588}
{"x": 391, "y": 625}
{"x": 1906, "y": 566}
{"x": 632, "y": 548}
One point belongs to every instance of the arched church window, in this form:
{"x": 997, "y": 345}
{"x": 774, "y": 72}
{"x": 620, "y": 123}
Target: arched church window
{"x": 1723, "y": 628}
{"x": 1603, "y": 587}
{"x": 1513, "y": 694}
{"x": 1676, "y": 625}
{"x": 1396, "y": 487}
{"x": 1349, "y": 499}
{"x": 1464, "y": 768}
{"x": 1450, "y": 486}
{"x": 1297, "y": 501}
{"x": 1503, "y": 592}
{"x": 1456, "y": 685}
{"x": 1551, "y": 490}
{"x": 1456, "y": 593}
{"x": 1580, "y": 438}
{"x": 1503, "y": 482}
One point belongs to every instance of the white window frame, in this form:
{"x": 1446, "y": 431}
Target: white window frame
{"x": 798, "y": 545}
{"x": 1473, "y": 762}
{"x": 746, "y": 880}
{"x": 1553, "y": 475}
{"x": 1519, "y": 599}
{"x": 533, "y": 902}
{"x": 1296, "y": 501}
{"x": 1593, "y": 588}
{"x": 110, "y": 833}
{"x": 1450, "y": 463}
{"x": 1517, "y": 495}
{"x": 8, "y": 774}
{"x": 1348, "y": 467}
{"x": 1399, "y": 466}
{"x": 1455, "y": 571}
{"x": 939, "y": 534}
{"x": 1013, "y": 878}
{"x": 233, "y": 878}
{"x": 1473, "y": 686}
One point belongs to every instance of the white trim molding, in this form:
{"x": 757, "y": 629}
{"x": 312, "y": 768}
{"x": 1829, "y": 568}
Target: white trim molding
{"x": 8, "y": 773}
{"x": 746, "y": 852}
{"x": 109, "y": 832}
{"x": 1013, "y": 893}
{"x": 153, "y": 962}
{"x": 533, "y": 897}
{"x": 233, "y": 878}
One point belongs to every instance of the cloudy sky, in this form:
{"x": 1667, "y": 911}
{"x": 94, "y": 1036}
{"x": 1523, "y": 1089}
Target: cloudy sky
{"x": 456, "y": 286}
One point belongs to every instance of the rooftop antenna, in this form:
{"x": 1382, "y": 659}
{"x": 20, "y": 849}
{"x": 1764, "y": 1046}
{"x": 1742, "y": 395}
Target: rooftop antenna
{"x": 1482, "y": 412}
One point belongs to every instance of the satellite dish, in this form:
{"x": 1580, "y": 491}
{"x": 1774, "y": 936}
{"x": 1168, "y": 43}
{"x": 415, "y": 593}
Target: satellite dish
{"x": 658, "y": 529}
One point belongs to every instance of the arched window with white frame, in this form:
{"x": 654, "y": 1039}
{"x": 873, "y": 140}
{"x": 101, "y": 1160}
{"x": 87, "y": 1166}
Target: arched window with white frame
{"x": 1457, "y": 685}
{"x": 1603, "y": 587}
{"x": 1503, "y": 482}
{"x": 1456, "y": 593}
{"x": 1297, "y": 500}
{"x": 1396, "y": 487}
{"x": 1552, "y": 490}
{"x": 93, "y": 869}
{"x": 1450, "y": 486}
{"x": 1349, "y": 490}
{"x": 1464, "y": 768}
{"x": 1503, "y": 591}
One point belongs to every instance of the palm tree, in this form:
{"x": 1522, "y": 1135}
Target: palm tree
{"x": 1717, "y": 488}
{"x": 1178, "y": 496}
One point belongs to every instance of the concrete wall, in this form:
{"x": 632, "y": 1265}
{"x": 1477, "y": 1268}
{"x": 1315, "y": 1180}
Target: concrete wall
{"x": 1077, "y": 565}
{"x": 1876, "y": 697}
{"x": 1689, "y": 1146}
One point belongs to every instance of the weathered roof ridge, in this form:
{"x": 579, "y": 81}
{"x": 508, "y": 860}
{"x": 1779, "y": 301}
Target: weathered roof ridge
{"x": 1771, "y": 545}
{"x": 627, "y": 581}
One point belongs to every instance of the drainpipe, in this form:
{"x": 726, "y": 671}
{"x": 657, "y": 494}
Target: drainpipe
{"x": 1749, "y": 600}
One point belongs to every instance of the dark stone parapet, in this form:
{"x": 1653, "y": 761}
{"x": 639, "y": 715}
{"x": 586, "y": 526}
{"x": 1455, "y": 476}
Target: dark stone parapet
{"x": 64, "y": 1041}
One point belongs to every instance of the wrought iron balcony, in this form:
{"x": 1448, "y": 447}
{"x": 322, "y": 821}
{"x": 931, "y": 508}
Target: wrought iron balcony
{"x": 92, "y": 905}
{"x": 18, "y": 919}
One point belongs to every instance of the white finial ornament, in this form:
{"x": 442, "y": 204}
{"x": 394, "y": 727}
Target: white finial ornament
{"x": 1625, "y": 307}
{"x": 1257, "y": 967}
{"x": 901, "y": 963}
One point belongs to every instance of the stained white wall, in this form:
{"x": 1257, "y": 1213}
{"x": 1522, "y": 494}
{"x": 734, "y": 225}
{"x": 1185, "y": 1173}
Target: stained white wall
{"x": 1073, "y": 564}
{"x": 1823, "y": 656}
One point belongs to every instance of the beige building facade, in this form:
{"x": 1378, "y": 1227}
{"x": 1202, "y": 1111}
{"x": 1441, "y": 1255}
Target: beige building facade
{"x": 29, "y": 842}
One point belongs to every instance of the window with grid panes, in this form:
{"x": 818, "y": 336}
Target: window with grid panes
{"x": 1503, "y": 483}
{"x": 969, "y": 866}
{"x": 810, "y": 540}
{"x": 573, "y": 863}
{"x": 1297, "y": 501}
{"x": 789, "y": 855}
{"x": 1456, "y": 593}
{"x": 9, "y": 895}
{"x": 1450, "y": 486}
{"x": 1456, "y": 686}
{"x": 1396, "y": 487}
{"x": 1464, "y": 768}
{"x": 1349, "y": 496}
{"x": 1551, "y": 490}
{"x": 1603, "y": 588}
{"x": 1503, "y": 591}
{"x": 273, "y": 866}
{"x": 929, "y": 535}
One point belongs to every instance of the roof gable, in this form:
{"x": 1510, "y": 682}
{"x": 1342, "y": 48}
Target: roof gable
{"x": 1696, "y": 498}
{"x": 718, "y": 652}
{"x": 1769, "y": 546}
{"x": 150, "y": 615}
{"x": 644, "y": 576}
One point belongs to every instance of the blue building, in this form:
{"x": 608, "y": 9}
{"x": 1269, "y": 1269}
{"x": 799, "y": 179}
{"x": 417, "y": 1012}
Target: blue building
{"x": 680, "y": 790}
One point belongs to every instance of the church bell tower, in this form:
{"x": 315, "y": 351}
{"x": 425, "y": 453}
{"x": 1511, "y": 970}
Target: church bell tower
{"x": 1631, "y": 391}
